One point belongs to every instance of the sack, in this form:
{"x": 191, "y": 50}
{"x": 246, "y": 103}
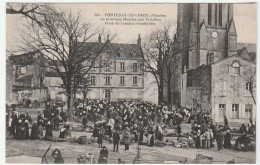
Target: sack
{"x": 82, "y": 139}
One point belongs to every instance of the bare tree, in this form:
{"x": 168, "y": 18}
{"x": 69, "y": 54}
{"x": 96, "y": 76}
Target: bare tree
{"x": 160, "y": 57}
{"x": 66, "y": 42}
{"x": 33, "y": 11}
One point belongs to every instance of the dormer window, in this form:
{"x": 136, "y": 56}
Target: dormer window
{"x": 235, "y": 69}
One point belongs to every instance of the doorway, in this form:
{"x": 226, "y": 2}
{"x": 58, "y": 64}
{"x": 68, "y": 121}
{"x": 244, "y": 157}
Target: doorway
{"x": 108, "y": 94}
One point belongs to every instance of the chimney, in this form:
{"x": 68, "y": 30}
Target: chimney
{"x": 139, "y": 40}
{"x": 99, "y": 38}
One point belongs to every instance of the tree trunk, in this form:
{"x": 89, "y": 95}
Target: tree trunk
{"x": 160, "y": 95}
{"x": 169, "y": 94}
{"x": 69, "y": 108}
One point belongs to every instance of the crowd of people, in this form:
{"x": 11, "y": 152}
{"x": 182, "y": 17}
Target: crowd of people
{"x": 136, "y": 120}
{"x": 125, "y": 122}
{"x": 19, "y": 123}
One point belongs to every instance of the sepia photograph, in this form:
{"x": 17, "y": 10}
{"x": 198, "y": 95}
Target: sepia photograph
{"x": 130, "y": 83}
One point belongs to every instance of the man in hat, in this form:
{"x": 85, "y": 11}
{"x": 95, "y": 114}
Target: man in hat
{"x": 103, "y": 156}
{"x": 116, "y": 139}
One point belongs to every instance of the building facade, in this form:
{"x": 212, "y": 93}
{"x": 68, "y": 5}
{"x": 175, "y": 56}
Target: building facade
{"x": 215, "y": 77}
{"x": 118, "y": 73}
{"x": 27, "y": 77}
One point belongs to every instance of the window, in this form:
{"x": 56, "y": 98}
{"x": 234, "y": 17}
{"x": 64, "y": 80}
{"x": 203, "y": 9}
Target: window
{"x": 210, "y": 58}
{"x": 222, "y": 106}
{"x": 93, "y": 80}
{"x": 209, "y": 13}
{"x": 248, "y": 111}
{"x": 247, "y": 91}
{"x": 220, "y": 15}
{"x": 23, "y": 70}
{"x": 235, "y": 69}
{"x": 134, "y": 80}
{"x": 121, "y": 54}
{"x": 134, "y": 67}
{"x": 122, "y": 66}
{"x": 248, "y": 86}
{"x": 235, "y": 111}
{"x": 107, "y": 66}
{"x": 122, "y": 80}
{"x": 107, "y": 80}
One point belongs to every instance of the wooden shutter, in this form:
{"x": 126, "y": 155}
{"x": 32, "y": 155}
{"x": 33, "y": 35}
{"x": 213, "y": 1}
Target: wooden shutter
{"x": 241, "y": 71}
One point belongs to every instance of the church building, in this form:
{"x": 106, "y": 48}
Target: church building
{"x": 215, "y": 77}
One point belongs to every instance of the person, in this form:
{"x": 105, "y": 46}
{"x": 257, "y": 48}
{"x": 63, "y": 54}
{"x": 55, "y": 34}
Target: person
{"x": 111, "y": 122}
{"x": 34, "y": 131}
{"x": 219, "y": 139}
{"x": 126, "y": 139}
{"x": 226, "y": 122}
{"x": 242, "y": 129}
{"x": 63, "y": 116}
{"x": 48, "y": 133}
{"x": 160, "y": 133}
{"x": 197, "y": 140}
{"x": 207, "y": 138}
{"x": 56, "y": 154}
{"x": 84, "y": 123}
{"x": 103, "y": 156}
{"x": 14, "y": 122}
{"x": 40, "y": 129}
{"x": 100, "y": 139}
{"x": 26, "y": 129}
{"x": 28, "y": 117}
{"x": 19, "y": 129}
{"x": 116, "y": 139}
{"x": 68, "y": 129}
{"x": 178, "y": 130}
{"x": 227, "y": 141}
{"x": 62, "y": 133}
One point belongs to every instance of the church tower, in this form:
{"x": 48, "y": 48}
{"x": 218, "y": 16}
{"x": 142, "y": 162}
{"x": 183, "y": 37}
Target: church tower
{"x": 207, "y": 33}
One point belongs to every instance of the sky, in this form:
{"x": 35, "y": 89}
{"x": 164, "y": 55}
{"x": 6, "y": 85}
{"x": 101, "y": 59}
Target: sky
{"x": 245, "y": 17}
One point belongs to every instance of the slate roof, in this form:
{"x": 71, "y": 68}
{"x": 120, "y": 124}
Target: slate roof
{"x": 246, "y": 54}
{"x": 23, "y": 59}
{"x": 128, "y": 50}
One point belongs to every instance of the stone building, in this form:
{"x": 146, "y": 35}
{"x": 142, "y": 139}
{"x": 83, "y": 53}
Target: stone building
{"x": 117, "y": 73}
{"x": 28, "y": 76}
{"x": 215, "y": 76}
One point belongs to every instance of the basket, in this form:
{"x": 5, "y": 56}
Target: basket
{"x": 83, "y": 140}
